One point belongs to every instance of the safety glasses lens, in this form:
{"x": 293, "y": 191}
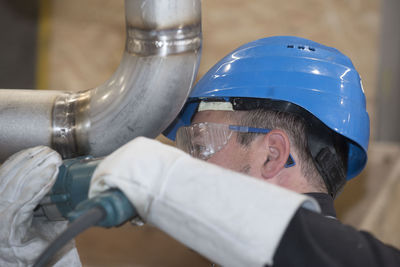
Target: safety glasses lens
{"x": 202, "y": 140}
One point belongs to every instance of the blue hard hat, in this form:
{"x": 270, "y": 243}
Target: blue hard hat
{"x": 319, "y": 79}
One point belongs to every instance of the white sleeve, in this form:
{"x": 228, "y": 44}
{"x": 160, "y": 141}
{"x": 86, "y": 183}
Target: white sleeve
{"x": 230, "y": 218}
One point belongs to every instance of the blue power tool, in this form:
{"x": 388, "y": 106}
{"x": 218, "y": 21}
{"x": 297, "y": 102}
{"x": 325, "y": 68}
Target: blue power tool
{"x": 68, "y": 198}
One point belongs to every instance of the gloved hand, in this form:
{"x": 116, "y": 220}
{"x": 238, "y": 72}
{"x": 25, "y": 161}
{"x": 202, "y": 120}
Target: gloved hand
{"x": 230, "y": 218}
{"x": 24, "y": 179}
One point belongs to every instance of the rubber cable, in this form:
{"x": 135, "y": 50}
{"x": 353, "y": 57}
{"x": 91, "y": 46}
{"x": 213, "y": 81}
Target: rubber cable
{"x": 88, "y": 219}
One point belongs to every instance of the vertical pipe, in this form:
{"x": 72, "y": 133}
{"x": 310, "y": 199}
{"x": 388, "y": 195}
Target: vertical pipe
{"x": 388, "y": 93}
{"x": 141, "y": 98}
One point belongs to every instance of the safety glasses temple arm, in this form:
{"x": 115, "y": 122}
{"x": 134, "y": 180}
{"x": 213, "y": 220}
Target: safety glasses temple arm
{"x": 244, "y": 129}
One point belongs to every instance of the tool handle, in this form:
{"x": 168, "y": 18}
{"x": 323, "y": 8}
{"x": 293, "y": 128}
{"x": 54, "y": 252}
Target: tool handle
{"x": 70, "y": 188}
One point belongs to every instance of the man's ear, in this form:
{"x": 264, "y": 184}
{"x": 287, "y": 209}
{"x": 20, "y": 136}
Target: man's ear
{"x": 277, "y": 146}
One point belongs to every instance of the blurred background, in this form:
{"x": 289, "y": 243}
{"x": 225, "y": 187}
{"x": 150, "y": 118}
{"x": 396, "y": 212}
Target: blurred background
{"x": 75, "y": 45}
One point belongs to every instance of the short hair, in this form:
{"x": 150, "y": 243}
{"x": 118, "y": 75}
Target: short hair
{"x": 294, "y": 127}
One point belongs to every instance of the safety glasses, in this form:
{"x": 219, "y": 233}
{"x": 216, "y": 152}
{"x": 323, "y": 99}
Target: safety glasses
{"x": 202, "y": 140}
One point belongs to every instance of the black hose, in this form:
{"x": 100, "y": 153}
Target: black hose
{"x": 88, "y": 219}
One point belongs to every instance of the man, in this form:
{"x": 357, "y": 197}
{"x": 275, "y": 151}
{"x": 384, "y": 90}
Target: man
{"x": 308, "y": 96}
{"x": 285, "y": 110}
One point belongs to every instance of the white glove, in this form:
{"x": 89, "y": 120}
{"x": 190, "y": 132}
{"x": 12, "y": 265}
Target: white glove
{"x": 24, "y": 179}
{"x": 230, "y": 218}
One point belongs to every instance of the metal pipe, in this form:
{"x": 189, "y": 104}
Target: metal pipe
{"x": 141, "y": 98}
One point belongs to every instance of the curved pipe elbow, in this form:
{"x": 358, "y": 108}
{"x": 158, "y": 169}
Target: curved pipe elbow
{"x": 141, "y": 98}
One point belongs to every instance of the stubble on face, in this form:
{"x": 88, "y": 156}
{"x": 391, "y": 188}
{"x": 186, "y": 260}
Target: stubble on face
{"x": 245, "y": 169}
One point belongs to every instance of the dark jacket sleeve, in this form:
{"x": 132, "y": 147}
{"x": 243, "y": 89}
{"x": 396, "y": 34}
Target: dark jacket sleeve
{"x": 313, "y": 240}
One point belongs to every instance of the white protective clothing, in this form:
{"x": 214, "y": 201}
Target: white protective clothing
{"x": 230, "y": 218}
{"x": 24, "y": 179}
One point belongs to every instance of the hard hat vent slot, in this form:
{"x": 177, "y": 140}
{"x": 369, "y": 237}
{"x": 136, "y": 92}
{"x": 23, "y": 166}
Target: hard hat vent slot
{"x": 301, "y": 47}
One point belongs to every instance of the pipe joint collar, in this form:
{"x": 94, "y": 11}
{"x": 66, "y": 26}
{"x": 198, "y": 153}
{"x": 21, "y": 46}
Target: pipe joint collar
{"x": 71, "y": 124}
{"x": 163, "y": 42}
